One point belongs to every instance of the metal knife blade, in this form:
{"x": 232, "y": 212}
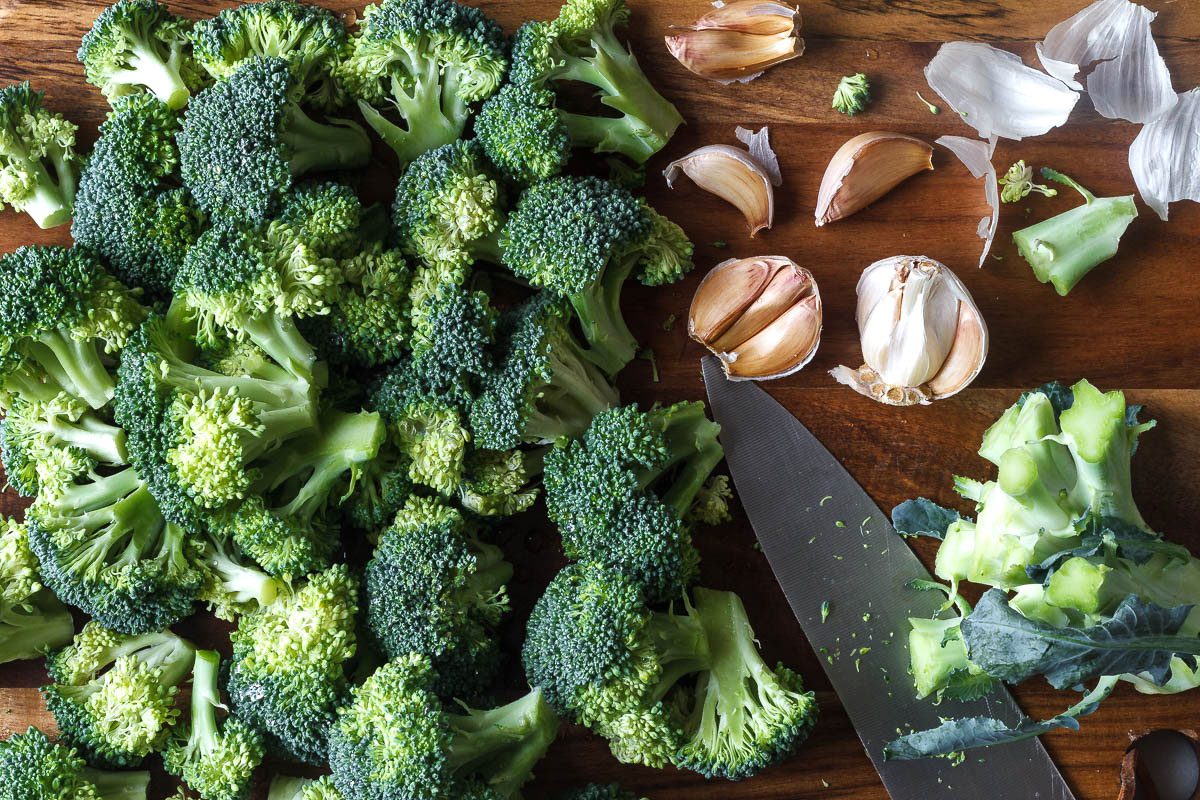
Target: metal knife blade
{"x": 827, "y": 541}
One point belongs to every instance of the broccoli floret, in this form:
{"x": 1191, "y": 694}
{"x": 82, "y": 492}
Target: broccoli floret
{"x": 131, "y": 207}
{"x": 232, "y": 586}
{"x": 530, "y": 140}
{"x": 311, "y": 39}
{"x": 277, "y": 142}
{"x": 453, "y": 336}
{"x": 382, "y": 489}
{"x": 606, "y": 660}
{"x": 544, "y": 386}
{"x": 38, "y": 165}
{"x": 287, "y": 676}
{"x": 32, "y": 620}
{"x": 599, "y": 791}
{"x": 852, "y": 95}
{"x": 139, "y": 46}
{"x": 620, "y": 494}
{"x": 432, "y": 587}
{"x": 429, "y": 60}
{"x": 32, "y": 766}
{"x": 215, "y": 759}
{"x": 581, "y": 238}
{"x": 396, "y": 740}
{"x": 62, "y": 319}
{"x": 500, "y": 483}
{"x": 113, "y": 695}
{"x": 450, "y": 207}
{"x": 711, "y": 505}
{"x": 284, "y": 787}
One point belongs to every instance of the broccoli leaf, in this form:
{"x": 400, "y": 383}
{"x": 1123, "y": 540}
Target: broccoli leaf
{"x": 921, "y": 517}
{"x": 1060, "y": 397}
{"x": 1105, "y": 536}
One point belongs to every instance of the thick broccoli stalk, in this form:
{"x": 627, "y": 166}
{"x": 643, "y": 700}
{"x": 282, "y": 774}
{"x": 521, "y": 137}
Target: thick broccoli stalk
{"x": 33, "y": 766}
{"x": 433, "y": 588}
{"x": 396, "y": 739}
{"x": 113, "y": 695}
{"x": 47, "y": 445}
{"x": 280, "y": 143}
{"x": 139, "y": 46}
{"x": 32, "y": 620}
{"x": 38, "y": 165}
{"x": 215, "y": 759}
{"x": 427, "y": 61}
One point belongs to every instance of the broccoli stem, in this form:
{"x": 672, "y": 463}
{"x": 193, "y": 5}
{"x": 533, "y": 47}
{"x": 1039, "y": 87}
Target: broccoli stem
{"x": 101, "y": 441}
{"x": 112, "y": 785}
{"x": 693, "y": 453}
{"x": 242, "y": 584}
{"x": 279, "y": 338}
{"x": 680, "y": 646}
{"x": 161, "y": 77}
{"x": 314, "y": 146}
{"x": 76, "y": 365}
{"x": 206, "y": 699}
{"x": 432, "y": 114}
{"x": 611, "y": 345}
{"x": 501, "y": 745}
{"x": 623, "y": 135}
{"x": 30, "y": 628}
{"x": 49, "y": 206}
{"x": 576, "y": 392}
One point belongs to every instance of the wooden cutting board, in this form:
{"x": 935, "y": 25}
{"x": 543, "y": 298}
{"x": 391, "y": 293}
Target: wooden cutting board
{"x": 1131, "y": 325}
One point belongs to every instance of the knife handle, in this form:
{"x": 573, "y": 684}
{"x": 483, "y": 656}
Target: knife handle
{"x": 1161, "y": 765}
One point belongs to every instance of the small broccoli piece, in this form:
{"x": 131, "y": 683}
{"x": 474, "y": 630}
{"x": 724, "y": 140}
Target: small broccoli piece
{"x": 603, "y": 658}
{"x": 382, "y": 489}
{"x": 62, "y": 319}
{"x": 711, "y": 505}
{"x": 139, "y": 46}
{"x": 499, "y": 483}
{"x": 620, "y": 494}
{"x": 284, "y": 787}
{"x": 114, "y": 695}
{"x": 852, "y": 95}
{"x": 581, "y": 238}
{"x": 530, "y": 140}
{"x": 432, "y": 587}
{"x": 216, "y": 760}
{"x": 233, "y": 587}
{"x": 599, "y": 791}
{"x": 311, "y": 39}
{"x": 428, "y": 60}
{"x": 453, "y": 335}
{"x": 396, "y": 739}
{"x": 32, "y": 766}
{"x": 32, "y": 620}
{"x": 1017, "y": 184}
{"x": 544, "y": 386}
{"x": 38, "y": 165}
{"x": 277, "y": 142}
{"x": 287, "y": 676}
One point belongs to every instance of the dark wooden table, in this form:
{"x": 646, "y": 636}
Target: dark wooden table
{"x": 1130, "y": 325}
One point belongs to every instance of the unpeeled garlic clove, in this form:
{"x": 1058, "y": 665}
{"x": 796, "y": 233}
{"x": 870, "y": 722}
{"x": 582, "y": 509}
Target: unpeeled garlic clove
{"x": 866, "y": 168}
{"x": 732, "y": 175}
{"x": 739, "y": 40}
{"x": 760, "y": 316}
{"x": 923, "y": 337}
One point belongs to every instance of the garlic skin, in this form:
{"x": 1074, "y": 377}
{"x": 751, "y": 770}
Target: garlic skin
{"x": 733, "y": 175}
{"x": 760, "y": 316}
{"x": 738, "y": 41}
{"x": 866, "y": 168}
{"x": 923, "y": 338}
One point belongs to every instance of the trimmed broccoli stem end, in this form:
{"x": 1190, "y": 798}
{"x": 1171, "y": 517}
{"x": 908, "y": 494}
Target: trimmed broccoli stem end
{"x": 313, "y": 146}
{"x": 29, "y": 629}
{"x": 76, "y": 365}
{"x": 241, "y": 583}
{"x": 502, "y": 745}
{"x": 112, "y": 785}
{"x": 50, "y": 205}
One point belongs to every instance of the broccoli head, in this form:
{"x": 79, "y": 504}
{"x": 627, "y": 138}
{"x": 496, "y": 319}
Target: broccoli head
{"x": 38, "y": 165}
{"x": 428, "y": 61}
{"x": 32, "y": 766}
{"x": 32, "y": 620}
{"x": 278, "y": 142}
{"x": 139, "y": 46}
{"x": 114, "y": 695}
{"x": 453, "y": 338}
{"x": 396, "y": 740}
{"x": 284, "y": 787}
{"x": 432, "y": 587}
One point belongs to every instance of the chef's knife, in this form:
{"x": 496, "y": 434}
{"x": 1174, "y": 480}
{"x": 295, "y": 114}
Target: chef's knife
{"x": 845, "y": 573}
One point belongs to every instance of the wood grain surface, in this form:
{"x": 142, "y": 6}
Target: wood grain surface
{"x": 1131, "y": 325}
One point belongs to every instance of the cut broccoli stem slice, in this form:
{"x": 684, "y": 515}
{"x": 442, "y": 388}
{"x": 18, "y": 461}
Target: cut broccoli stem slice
{"x": 502, "y": 744}
{"x": 314, "y": 146}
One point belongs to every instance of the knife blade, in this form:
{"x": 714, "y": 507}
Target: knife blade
{"x": 827, "y": 542}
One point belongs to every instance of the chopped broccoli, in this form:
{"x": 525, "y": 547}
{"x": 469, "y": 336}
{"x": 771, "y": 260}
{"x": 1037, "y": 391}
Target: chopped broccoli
{"x": 428, "y": 61}
{"x": 396, "y": 740}
{"x": 38, "y": 165}
{"x": 284, "y": 787}
{"x": 216, "y": 760}
{"x": 852, "y": 95}
{"x": 277, "y": 142}
{"x": 453, "y": 336}
{"x": 32, "y": 766}
{"x": 621, "y": 494}
{"x": 32, "y": 620}
{"x": 139, "y": 46}
{"x": 603, "y": 658}
{"x": 433, "y": 588}
{"x": 113, "y": 695}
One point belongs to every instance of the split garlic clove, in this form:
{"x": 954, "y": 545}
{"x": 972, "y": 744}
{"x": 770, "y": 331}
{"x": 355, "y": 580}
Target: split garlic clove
{"x": 739, "y": 40}
{"x": 734, "y": 176}
{"x": 866, "y": 168}
{"x": 923, "y": 337}
{"x": 760, "y": 316}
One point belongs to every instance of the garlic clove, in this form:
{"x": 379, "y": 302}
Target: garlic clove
{"x": 729, "y": 55}
{"x": 761, "y": 316}
{"x": 760, "y": 17}
{"x": 966, "y": 357}
{"x": 734, "y": 176}
{"x": 866, "y": 168}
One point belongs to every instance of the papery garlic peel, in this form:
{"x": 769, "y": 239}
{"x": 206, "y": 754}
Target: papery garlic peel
{"x": 733, "y": 175}
{"x": 739, "y": 40}
{"x": 866, "y": 168}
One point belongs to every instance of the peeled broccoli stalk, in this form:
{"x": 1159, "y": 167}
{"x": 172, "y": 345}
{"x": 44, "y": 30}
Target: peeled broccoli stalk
{"x": 500, "y": 746}
{"x": 1063, "y": 249}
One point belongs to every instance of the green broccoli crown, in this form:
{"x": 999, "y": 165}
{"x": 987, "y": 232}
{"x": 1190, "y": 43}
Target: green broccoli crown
{"x": 284, "y": 787}
{"x": 523, "y": 133}
{"x": 33, "y": 766}
{"x": 137, "y": 143}
{"x": 544, "y": 387}
{"x": 311, "y": 39}
{"x": 429, "y": 60}
{"x": 499, "y": 483}
{"x": 139, "y": 46}
{"x": 32, "y": 620}
{"x": 257, "y": 107}
{"x": 395, "y": 739}
{"x": 434, "y": 588}
{"x": 114, "y": 695}
{"x": 38, "y": 165}
{"x": 450, "y": 207}
{"x": 453, "y": 337}
{"x": 667, "y": 254}
{"x": 215, "y": 759}
{"x": 600, "y": 791}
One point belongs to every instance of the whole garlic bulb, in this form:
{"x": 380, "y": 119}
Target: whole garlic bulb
{"x": 923, "y": 337}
